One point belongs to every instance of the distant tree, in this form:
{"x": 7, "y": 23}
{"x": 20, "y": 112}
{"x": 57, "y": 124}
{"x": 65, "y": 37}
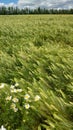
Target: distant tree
{"x": 10, "y": 10}
{"x": 39, "y": 10}
{"x": 3, "y": 10}
{"x": 15, "y": 10}
{"x": 71, "y": 11}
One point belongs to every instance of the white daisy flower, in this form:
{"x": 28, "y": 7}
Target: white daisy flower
{"x": 14, "y": 91}
{"x": 12, "y": 87}
{"x": 15, "y": 109}
{"x": 2, "y": 128}
{"x": 37, "y": 98}
{"x": 27, "y": 106}
{"x": 2, "y": 85}
{"x": 13, "y": 105}
{"x": 17, "y": 84}
{"x": 8, "y": 98}
{"x": 15, "y": 100}
{"x": 27, "y": 96}
{"x": 19, "y": 90}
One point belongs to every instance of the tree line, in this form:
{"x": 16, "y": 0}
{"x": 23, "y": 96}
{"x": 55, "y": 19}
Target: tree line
{"x": 14, "y": 11}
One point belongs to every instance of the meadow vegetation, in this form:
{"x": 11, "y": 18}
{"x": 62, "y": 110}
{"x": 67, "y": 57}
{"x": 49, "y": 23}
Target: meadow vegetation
{"x": 36, "y": 72}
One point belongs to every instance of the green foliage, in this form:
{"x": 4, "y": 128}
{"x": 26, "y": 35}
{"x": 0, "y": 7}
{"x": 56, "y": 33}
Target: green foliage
{"x": 36, "y": 72}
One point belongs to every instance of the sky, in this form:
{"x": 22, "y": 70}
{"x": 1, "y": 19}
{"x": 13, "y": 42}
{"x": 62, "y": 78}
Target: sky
{"x": 56, "y": 4}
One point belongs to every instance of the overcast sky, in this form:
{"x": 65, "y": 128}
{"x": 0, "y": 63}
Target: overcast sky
{"x": 56, "y": 4}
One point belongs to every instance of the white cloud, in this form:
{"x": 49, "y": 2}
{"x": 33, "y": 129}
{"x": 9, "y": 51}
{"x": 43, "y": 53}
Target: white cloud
{"x": 56, "y": 4}
{"x": 1, "y": 4}
{"x": 46, "y": 3}
{"x": 11, "y": 4}
{"x": 8, "y": 5}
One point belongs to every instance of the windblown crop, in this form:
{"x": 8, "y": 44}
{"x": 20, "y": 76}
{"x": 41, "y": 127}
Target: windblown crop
{"x": 36, "y": 72}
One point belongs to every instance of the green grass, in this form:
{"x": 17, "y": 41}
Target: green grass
{"x": 37, "y": 52}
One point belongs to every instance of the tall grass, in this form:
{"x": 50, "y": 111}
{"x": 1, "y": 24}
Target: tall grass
{"x": 36, "y": 52}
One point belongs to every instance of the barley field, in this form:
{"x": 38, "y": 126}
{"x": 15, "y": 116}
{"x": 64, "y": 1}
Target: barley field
{"x": 36, "y": 72}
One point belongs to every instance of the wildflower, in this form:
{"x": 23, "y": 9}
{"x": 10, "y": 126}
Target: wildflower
{"x": 19, "y": 90}
{"x": 2, "y": 86}
{"x": 27, "y": 96}
{"x": 15, "y": 109}
{"x": 12, "y": 86}
{"x": 8, "y": 98}
{"x": 13, "y": 105}
{"x": 15, "y": 100}
{"x": 14, "y": 91}
{"x": 27, "y": 106}
{"x": 37, "y": 98}
{"x": 16, "y": 84}
{"x": 2, "y": 128}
